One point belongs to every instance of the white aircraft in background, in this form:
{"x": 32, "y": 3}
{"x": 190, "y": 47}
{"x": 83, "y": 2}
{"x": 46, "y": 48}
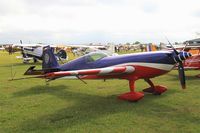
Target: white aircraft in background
{"x": 35, "y": 52}
{"x": 80, "y": 50}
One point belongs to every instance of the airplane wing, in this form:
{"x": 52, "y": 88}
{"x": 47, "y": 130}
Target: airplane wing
{"x": 99, "y": 71}
{"x": 26, "y": 45}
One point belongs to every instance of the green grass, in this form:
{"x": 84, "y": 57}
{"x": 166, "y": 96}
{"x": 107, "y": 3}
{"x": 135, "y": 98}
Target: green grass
{"x": 71, "y": 106}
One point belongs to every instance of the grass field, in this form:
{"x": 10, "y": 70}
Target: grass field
{"x": 71, "y": 106}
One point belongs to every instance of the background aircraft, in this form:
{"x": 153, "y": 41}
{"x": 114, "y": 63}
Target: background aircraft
{"x": 2, "y": 48}
{"x": 35, "y": 51}
{"x": 131, "y": 67}
{"x": 80, "y": 50}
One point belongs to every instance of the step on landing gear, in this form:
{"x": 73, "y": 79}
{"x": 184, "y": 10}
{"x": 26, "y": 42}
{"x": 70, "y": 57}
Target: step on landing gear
{"x": 132, "y": 95}
{"x": 156, "y": 90}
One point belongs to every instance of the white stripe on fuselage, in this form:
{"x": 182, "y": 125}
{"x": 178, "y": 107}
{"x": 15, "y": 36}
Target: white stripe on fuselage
{"x": 146, "y": 53}
{"x": 166, "y": 67}
{"x": 106, "y": 70}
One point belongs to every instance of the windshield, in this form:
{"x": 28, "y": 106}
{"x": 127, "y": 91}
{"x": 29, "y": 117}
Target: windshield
{"x": 95, "y": 56}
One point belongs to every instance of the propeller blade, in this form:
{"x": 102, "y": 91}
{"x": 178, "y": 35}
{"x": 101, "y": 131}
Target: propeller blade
{"x": 172, "y": 46}
{"x": 181, "y": 75}
{"x": 187, "y": 43}
{"x": 20, "y": 41}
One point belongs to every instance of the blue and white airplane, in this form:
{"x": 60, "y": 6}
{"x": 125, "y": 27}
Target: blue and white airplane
{"x": 131, "y": 67}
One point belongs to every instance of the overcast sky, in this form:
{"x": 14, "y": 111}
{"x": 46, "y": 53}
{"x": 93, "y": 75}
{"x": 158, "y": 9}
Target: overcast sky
{"x": 98, "y": 21}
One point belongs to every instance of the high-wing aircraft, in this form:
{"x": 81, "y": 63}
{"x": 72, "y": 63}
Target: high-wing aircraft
{"x": 131, "y": 67}
{"x": 80, "y": 50}
{"x": 35, "y": 51}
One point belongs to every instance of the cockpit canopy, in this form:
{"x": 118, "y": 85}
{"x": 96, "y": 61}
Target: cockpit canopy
{"x": 95, "y": 56}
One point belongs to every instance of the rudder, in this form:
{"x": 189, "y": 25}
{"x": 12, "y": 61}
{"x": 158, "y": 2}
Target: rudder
{"x": 49, "y": 60}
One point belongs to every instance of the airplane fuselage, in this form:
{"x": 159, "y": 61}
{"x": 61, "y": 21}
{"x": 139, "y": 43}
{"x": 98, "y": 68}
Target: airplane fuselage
{"x": 147, "y": 64}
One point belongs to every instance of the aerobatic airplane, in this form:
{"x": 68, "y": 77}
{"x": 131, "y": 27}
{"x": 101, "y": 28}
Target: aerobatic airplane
{"x": 131, "y": 67}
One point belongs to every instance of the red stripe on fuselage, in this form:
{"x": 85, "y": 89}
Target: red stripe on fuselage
{"x": 88, "y": 72}
{"x": 119, "y": 70}
{"x": 140, "y": 72}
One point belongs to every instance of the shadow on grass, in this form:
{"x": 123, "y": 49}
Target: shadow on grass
{"x": 39, "y": 90}
{"x": 88, "y": 107}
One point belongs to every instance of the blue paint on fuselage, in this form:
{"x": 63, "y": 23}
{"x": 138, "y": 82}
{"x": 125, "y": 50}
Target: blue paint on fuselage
{"x": 161, "y": 57}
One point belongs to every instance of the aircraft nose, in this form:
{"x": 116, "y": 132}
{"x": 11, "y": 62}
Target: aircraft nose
{"x": 182, "y": 56}
{"x": 189, "y": 54}
{"x": 186, "y": 55}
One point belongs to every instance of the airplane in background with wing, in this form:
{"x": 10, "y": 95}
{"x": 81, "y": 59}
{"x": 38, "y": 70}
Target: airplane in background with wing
{"x": 80, "y": 50}
{"x": 131, "y": 67}
{"x": 35, "y": 51}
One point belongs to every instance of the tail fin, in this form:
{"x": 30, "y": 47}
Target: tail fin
{"x": 49, "y": 59}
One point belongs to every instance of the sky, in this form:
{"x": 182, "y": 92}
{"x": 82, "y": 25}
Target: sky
{"x": 98, "y": 21}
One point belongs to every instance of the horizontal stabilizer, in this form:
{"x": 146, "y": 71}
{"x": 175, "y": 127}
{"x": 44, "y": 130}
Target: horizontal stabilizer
{"x": 40, "y": 76}
{"x": 31, "y": 71}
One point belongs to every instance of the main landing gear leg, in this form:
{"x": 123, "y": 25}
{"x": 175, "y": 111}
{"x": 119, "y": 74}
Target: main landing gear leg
{"x": 132, "y": 95}
{"x": 157, "y": 90}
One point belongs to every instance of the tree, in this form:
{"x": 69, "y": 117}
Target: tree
{"x": 137, "y": 42}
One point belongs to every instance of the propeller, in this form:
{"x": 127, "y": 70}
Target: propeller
{"x": 187, "y": 43}
{"x": 181, "y": 71}
{"x": 177, "y": 53}
{"x": 20, "y": 41}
